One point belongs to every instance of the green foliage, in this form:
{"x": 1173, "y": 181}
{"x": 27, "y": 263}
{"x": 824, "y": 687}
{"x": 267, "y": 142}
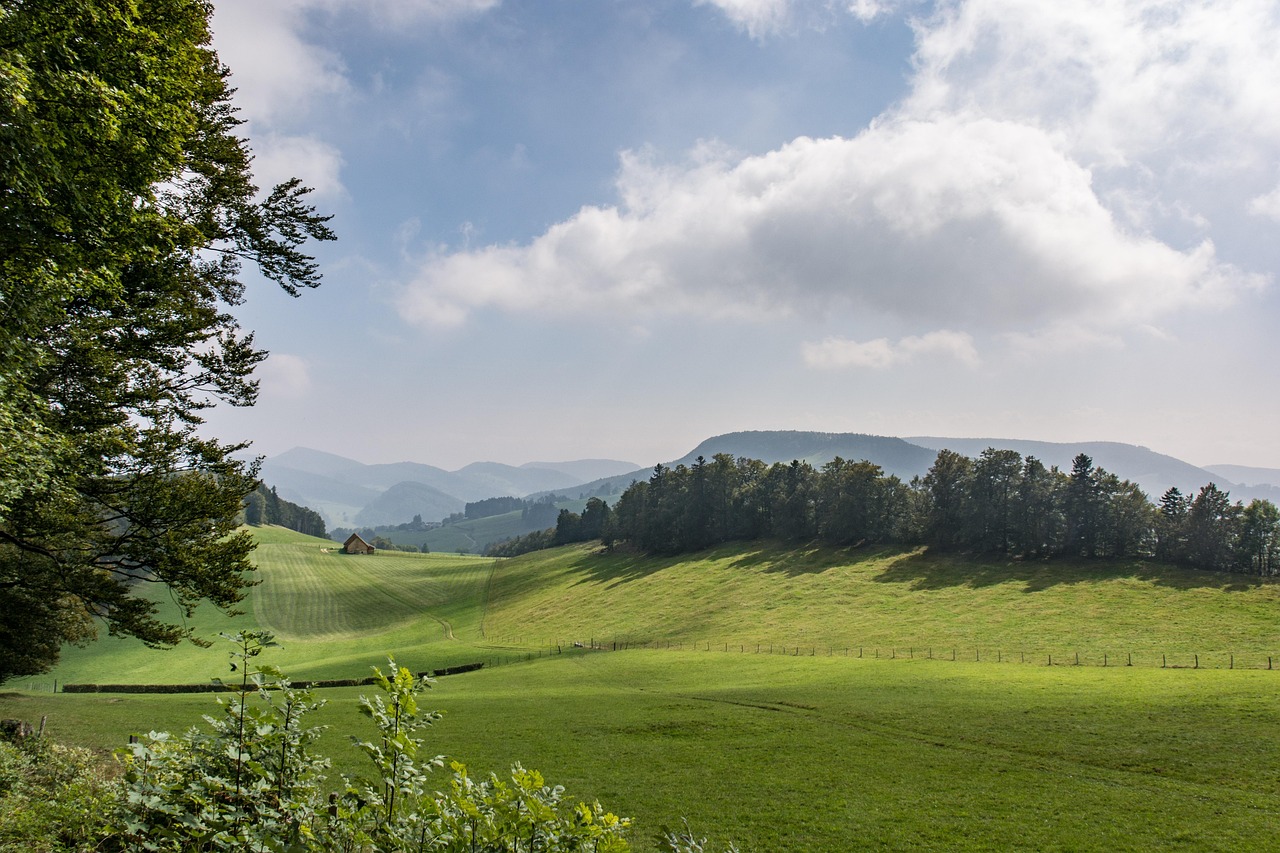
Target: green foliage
{"x": 264, "y": 506}
{"x": 52, "y": 797}
{"x": 999, "y": 504}
{"x": 129, "y": 209}
{"x": 253, "y": 782}
{"x": 683, "y": 840}
{"x": 249, "y": 783}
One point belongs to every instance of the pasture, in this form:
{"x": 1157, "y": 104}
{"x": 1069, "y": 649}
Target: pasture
{"x": 813, "y": 751}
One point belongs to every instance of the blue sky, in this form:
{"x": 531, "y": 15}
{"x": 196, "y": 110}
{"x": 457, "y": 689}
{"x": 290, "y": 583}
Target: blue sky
{"x": 586, "y": 228}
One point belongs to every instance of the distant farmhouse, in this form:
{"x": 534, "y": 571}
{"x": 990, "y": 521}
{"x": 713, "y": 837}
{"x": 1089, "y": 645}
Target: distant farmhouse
{"x": 356, "y": 545}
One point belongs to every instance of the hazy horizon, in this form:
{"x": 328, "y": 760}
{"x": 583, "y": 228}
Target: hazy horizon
{"x": 600, "y": 230}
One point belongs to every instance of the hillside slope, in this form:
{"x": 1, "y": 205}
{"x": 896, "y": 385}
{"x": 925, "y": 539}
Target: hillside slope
{"x": 334, "y": 613}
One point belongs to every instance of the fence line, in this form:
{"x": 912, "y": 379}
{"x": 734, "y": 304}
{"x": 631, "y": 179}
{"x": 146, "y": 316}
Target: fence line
{"x": 1040, "y": 657}
{"x": 949, "y": 653}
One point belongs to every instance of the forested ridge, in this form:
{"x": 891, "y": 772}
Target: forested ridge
{"x": 997, "y": 504}
{"x": 264, "y": 506}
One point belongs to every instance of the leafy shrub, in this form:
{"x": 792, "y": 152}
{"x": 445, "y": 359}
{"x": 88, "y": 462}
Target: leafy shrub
{"x": 252, "y": 782}
{"x": 53, "y": 798}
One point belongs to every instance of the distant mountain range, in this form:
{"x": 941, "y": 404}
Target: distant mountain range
{"x": 351, "y": 493}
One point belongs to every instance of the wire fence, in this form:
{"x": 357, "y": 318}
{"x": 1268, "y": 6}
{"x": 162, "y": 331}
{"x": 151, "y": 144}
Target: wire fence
{"x": 1179, "y": 659}
{"x": 514, "y": 650}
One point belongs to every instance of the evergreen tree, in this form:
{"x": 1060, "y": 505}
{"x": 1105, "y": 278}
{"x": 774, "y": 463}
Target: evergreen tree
{"x": 1258, "y": 545}
{"x": 948, "y": 487}
{"x": 1211, "y": 529}
{"x": 128, "y": 209}
{"x": 1171, "y": 523}
{"x": 996, "y": 478}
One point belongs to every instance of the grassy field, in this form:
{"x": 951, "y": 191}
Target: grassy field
{"x": 334, "y": 615}
{"x": 898, "y": 600}
{"x": 812, "y": 751}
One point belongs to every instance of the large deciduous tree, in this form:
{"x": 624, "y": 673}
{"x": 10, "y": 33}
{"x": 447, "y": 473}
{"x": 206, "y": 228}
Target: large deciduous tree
{"x": 127, "y": 208}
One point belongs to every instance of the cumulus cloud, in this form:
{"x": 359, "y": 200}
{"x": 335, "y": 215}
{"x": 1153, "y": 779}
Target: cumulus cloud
{"x": 762, "y": 18}
{"x": 1046, "y": 179}
{"x": 882, "y": 353}
{"x": 958, "y": 218}
{"x": 280, "y": 77}
{"x": 757, "y": 17}
{"x": 278, "y": 157}
{"x": 1267, "y": 205}
{"x": 285, "y": 377}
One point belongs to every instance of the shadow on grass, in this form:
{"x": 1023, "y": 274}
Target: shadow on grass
{"x": 616, "y": 568}
{"x": 612, "y": 569}
{"x": 916, "y": 566}
{"x": 925, "y": 570}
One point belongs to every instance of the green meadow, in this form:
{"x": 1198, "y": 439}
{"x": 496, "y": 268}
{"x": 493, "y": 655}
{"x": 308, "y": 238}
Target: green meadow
{"x": 810, "y": 747}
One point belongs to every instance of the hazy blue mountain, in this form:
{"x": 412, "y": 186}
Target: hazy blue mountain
{"x": 1155, "y": 472}
{"x": 585, "y": 470}
{"x": 337, "y": 501}
{"x": 347, "y": 492}
{"x": 402, "y": 501}
{"x": 496, "y": 479}
{"x": 315, "y": 462}
{"x": 1247, "y": 475}
{"x": 893, "y": 455}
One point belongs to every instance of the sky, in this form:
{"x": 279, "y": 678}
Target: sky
{"x": 578, "y": 229}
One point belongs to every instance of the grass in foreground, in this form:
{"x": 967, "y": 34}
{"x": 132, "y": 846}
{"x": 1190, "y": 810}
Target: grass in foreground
{"x": 831, "y": 754}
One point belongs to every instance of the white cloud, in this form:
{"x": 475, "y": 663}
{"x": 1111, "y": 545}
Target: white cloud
{"x": 881, "y": 353}
{"x": 277, "y": 74}
{"x": 1049, "y": 178}
{"x": 278, "y": 157}
{"x": 285, "y": 377}
{"x": 757, "y": 17}
{"x": 761, "y": 18}
{"x": 281, "y": 78}
{"x": 1267, "y": 205}
{"x": 954, "y": 220}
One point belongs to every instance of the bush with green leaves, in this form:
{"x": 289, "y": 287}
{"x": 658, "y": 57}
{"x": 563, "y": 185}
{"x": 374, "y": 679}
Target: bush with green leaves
{"x": 53, "y": 798}
{"x": 253, "y": 782}
{"x": 249, "y": 783}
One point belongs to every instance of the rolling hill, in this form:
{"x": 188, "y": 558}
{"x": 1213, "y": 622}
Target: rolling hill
{"x": 349, "y": 493}
{"x": 806, "y": 700}
{"x": 912, "y": 456}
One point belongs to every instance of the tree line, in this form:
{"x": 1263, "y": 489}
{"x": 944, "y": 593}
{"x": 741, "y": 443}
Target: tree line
{"x": 128, "y": 213}
{"x": 264, "y": 506}
{"x": 999, "y": 503}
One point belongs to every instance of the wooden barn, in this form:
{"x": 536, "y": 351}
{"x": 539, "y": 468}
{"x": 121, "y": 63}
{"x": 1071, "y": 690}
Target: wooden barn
{"x": 356, "y": 545}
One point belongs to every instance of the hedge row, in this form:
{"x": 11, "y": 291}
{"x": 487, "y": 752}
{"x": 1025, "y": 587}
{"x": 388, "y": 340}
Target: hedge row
{"x": 218, "y": 688}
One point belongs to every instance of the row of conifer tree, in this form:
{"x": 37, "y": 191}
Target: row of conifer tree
{"x": 999, "y": 503}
